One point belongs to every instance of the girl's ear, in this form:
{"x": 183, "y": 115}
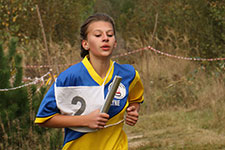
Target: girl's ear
{"x": 115, "y": 44}
{"x": 85, "y": 44}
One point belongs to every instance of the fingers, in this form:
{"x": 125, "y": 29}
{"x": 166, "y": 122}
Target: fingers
{"x": 101, "y": 115}
{"x": 101, "y": 125}
{"x": 131, "y": 108}
{"x": 131, "y": 119}
{"x": 102, "y": 120}
{"x": 97, "y": 120}
{"x": 130, "y": 122}
{"x": 104, "y": 115}
{"x": 132, "y": 116}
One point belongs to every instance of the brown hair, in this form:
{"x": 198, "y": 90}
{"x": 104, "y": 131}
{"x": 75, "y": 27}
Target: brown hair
{"x": 88, "y": 21}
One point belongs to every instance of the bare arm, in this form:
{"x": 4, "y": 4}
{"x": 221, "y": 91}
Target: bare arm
{"x": 95, "y": 120}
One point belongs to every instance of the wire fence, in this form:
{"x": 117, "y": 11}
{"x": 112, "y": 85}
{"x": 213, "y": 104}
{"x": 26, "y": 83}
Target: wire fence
{"x": 37, "y": 80}
{"x": 137, "y": 51}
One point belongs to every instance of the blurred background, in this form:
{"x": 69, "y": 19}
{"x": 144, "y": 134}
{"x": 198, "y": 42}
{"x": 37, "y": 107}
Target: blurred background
{"x": 184, "y": 81}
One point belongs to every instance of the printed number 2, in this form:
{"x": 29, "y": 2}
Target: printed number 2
{"x": 83, "y": 104}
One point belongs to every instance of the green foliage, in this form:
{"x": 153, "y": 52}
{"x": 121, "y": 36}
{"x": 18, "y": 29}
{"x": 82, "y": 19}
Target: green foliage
{"x": 16, "y": 107}
{"x": 12, "y": 49}
{"x": 216, "y": 10}
{"x": 4, "y": 72}
{"x": 11, "y": 75}
{"x": 201, "y": 21}
{"x": 61, "y": 19}
{"x": 13, "y": 16}
{"x": 195, "y": 28}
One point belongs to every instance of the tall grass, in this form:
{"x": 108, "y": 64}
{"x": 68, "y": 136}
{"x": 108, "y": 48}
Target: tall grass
{"x": 170, "y": 85}
{"x": 61, "y": 56}
{"x": 184, "y": 100}
{"x": 22, "y": 134}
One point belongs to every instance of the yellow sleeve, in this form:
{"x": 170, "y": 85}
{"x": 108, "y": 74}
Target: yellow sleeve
{"x": 136, "y": 90}
{"x": 42, "y": 120}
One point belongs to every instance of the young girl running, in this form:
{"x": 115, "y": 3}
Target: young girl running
{"x": 74, "y": 101}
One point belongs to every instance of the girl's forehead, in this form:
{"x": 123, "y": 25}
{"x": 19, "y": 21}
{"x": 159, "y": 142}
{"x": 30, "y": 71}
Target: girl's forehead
{"x": 99, "y": 25}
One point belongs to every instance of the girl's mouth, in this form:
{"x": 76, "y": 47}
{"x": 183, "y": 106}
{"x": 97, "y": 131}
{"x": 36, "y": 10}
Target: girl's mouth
{"x": 105, "y": 47}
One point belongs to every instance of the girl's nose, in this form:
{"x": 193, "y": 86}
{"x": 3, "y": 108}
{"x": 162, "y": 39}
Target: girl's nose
{"x": 105, "y": 37}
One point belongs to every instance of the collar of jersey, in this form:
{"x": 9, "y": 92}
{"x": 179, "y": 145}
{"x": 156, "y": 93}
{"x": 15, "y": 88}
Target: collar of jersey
{"x": 94, "y": 74}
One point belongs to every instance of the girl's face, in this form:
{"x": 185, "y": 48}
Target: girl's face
{"x": 100, "y": 39}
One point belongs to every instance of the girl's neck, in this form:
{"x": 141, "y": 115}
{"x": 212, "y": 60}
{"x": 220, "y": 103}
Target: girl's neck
{"x": 101, "y": 66}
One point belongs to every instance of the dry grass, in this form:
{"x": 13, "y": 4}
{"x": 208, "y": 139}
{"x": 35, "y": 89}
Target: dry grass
{"x": 176, "y": 130}
{"x": 183, "y": 109}
{"x": 184, "y": 100}
{"x": 61, "y": 57}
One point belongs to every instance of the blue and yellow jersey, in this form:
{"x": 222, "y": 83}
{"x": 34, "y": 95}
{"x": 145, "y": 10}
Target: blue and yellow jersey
{"x": 83, "y": 74}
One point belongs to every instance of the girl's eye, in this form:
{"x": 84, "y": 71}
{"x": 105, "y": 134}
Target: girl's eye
{"x": 110, "y": 35}
{"x": 98, "y": 35}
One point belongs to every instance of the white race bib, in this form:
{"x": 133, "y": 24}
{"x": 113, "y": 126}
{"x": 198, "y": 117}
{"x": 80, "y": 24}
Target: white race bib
{"x": 79, "y": 100}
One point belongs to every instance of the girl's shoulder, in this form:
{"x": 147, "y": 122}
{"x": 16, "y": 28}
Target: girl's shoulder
{"x": 125, "y": 70}
{"x": 124, "y": 67}
{"x": 68, "y": 76}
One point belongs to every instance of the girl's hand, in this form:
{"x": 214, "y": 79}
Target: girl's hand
{"x": 96, "y": 120}
{"x": 132, "y": 114}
